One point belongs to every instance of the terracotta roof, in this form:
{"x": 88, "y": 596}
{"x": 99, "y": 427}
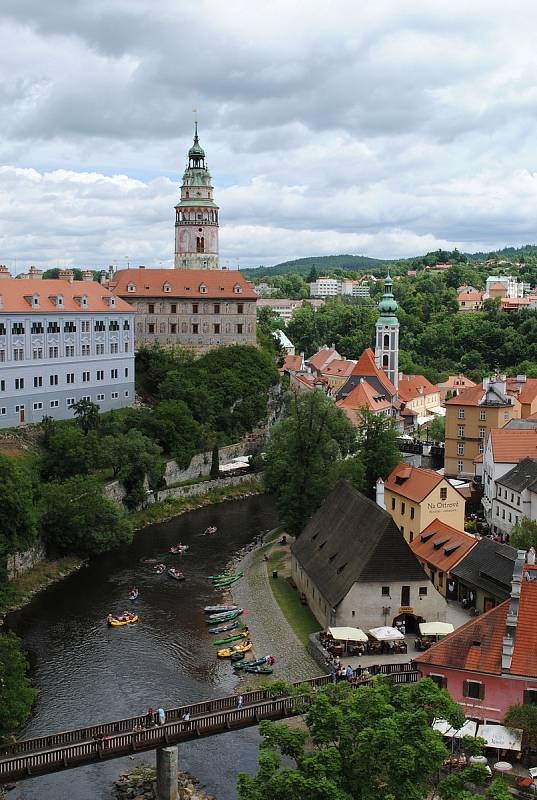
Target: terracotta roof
{"x": 319, "y": 359}
{"x": 460, "y": 649}
{"x": 412, "y": 386}
{"x": 292, "y": 363}
{"x": 441, "y": 545}
{"x": 362, "y": 396}
{"x": 473, "y": 396}
{"x": 511, "y": 446}
{"x": 16, "y": 294}
{"x": 526, "y": 391}
{"x": 456, "y": 382}
{"x": 183, "y": 283}
{"x": 497, "y": 285}
{"x": 413, "y": 483}
{"x": 282, "y": 303}
{"x": 366, "y": 367}
{"x": 339, "y": 366}
{"x": 466, "y": 294}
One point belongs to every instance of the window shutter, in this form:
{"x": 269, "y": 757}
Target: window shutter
{"x": 444, "y": 682}
{"x": 465, "y": 688}
{"x": 481, "y": 691}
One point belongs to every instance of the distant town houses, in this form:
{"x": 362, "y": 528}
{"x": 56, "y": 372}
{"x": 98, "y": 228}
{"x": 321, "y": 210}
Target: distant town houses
{"x": 454, "y": 385}
{"x": 284, "y": 308}
{"x": 514, "y": 497}
{"x": 469, "y": 298}
{"x": 334, "y": 287}
{"x": 512, "y": 293}
{"x": 505, "y": 448}
{"x": 62, "y": 341}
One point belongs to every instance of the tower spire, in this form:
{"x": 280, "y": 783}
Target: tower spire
{"x": 387, "y": 334}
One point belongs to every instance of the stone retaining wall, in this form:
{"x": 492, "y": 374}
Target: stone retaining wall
{"x": 116, "y": 492}
{"x": 19, "y": 563}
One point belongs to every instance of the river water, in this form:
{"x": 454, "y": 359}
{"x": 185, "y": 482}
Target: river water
{"x": 88, "y": 673}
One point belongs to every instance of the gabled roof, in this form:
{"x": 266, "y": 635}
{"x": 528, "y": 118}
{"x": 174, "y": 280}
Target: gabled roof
{"x": 292, "y": 363}
{"x": 411, "y": 386}
{"x": 363, "y": 396}
{"x": 511, "y": 446}
{"x": 322, "y": 357}
{"x": 470, "y": 294}
{"x": 441, "y": 545}
{"x": 366, "y": 368}
{"x": 15, "y": 297}
{"x": 479, "y": 396}
{"x": 488, "y": 566}
{"x": 414, "y": 483}
{"x": 526, "y": 390}
{"x": 456, "y": 382}
{"x": 339, "y": 366}
{"x": 184, "y": 283}
{"x": 351, "y": 539}
{"x": 477, "y": 646}
{"x": 523, "y": 475}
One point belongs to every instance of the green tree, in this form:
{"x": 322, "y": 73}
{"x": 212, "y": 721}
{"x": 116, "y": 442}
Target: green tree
{"x": 436, "y": 430}
{"x": 377, "y": 446}
{"x": 304, "y": 456}
{"x": 134, "y": 457}
{"x": 87, "y": 414}
{"x": 16, "y": 692}
{"x": 17, "y": 510}
{"x": 215, "y": 462}
{"x": 76, "y": 517}
{"x": 69, "y": 452}
{"x": 524, "y": 534}
{"x": 523, "y": 716}
{"x": 371, "y": 743}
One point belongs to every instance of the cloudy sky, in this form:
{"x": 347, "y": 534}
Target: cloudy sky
{"x": 379, "y": 128}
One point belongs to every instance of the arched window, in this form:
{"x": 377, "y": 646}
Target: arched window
{"x": 385, "y": 361}
{"x": 200, "y": 244}
{"x": 386, "y": 341}
{"x": 187, "y": 193}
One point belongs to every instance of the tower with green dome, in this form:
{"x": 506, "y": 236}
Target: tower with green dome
{"x": 387, "y": 334}
{"x": 196, "y": 215}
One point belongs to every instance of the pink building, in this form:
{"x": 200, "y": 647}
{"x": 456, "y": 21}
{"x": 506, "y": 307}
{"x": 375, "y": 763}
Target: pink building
{"x": 490, "y": 663}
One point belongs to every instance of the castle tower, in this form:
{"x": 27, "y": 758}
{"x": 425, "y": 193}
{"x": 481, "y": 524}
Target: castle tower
{"x": 196, "y": 215}
{"x": 387, "y": 335}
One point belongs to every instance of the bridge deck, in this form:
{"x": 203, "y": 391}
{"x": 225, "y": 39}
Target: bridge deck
{"x": 54, "y": 753}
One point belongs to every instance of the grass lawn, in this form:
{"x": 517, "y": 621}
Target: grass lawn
{"x": 298, "y": 616}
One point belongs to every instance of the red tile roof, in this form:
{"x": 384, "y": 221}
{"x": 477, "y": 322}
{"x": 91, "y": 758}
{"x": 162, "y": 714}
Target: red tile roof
{"x": 474, "y": 296}
{"x": 339, "y": 366}
{"x": 319, "y": 359}
{"x": 365, "y": 367}
{"x": 412, "y": 386}
{"x": 441, "y": 545}
{"x": 457, "y": 382}
{"x": 362, "y": 396}
{"x": 184, "y": 283}
{"x": 511, "y": 445}
{"x": 292, "y": 363}
{"x": 477, "y": 645}
{"x": 15, "y": 291}
{"x": 413, "y": 483}
{"x": 526, "y": 391}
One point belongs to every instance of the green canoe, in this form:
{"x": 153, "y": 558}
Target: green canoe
{"x": 227, "y": 582}
{"x": 230, "y": 639}
{"x": 225, "y": 576}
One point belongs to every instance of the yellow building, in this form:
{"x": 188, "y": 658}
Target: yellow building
{"x": 415, "y": 497}
{"x": 418, "y": 394}
{"x": 469, "y": 418}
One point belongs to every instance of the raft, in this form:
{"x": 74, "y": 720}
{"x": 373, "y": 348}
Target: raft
{"x": 226, "y": 582}
{"x": 222, "y": 576}
{"x": 227, "y": 652}
{"x": 234, "y": 638}
{"x": 175, "y": 574}
{"x": 118, "y": 623}
{"x": 227, "y": 617}
{"x": 259, "y": 670}
{"x": 225, "y": 628}
{"x": 258, "y": 662}
{"x": 221, "y": 609}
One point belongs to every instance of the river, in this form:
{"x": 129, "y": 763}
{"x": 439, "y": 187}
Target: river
{"x": 88, "y": 673}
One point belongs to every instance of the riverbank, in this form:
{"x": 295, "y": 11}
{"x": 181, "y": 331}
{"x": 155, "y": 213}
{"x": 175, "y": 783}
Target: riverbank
{"x": 272, "y": 633}
{"x": 140, "y": 784}
{"x": 21, "y": 590}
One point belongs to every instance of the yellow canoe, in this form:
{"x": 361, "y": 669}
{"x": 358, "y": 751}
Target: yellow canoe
{"x": 116, "y": 623}
{"x": 227, "y": 652}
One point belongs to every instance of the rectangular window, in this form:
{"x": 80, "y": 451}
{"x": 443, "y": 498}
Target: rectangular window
{"x": 54, "y": 403}
{"x": 481, "y": 447}
{"x": 530, "y": 696}
{"x": 460, "y": 431}
{"x": 2, "y": 356}
{"x": 474, "y": 689}
{"x": 461, "y": 413}
{"x": 440, "y": 680}
{"x": 195, "y": 328}
{"x": 217, "y": 308}
{"x": 113, "y": 325}
{"x": 195, "y": 308}
{"x": 405, "y": 595}
{"x": 114, "y": 395}
{"x": 460, "y": 449}
{"x": 113, "y": 374}
{"x": 38, "y": 382}
{"x": 3, "y": 411}
{"x": 151, "y": 308}
{"x": 17, "y": 328}
{"x": 53, "y": 327}
{"x": 126, "y": 393}
{"x": 19, "y": 383}
{"x": 482, "y": 433}
{"x": 53, "y": 380}
{"x": 217, "y": 328}
{"x": 423, "y": 591}
{"x": 482, "y": 415}
{"x": 114, "y": 348}
{"x": 99, "y": 326}
{"x": 37, "y": 406}
{"x": 126, "y": 347}
{"x": 37, "y": 353}
{"x": 440, "y": 578}
{"x": 402, "y": 508}
{"x": 393, "y": 503}
{"x": 69, "y": 351}
{"x": 70, "y": 402}
{"x": 85, "y": 350}
{"x": 100, "y": 397}
{"x": 126, "y": 372}
{"x": 385, "y": 591}
{"x": 85, "y": 326}
{"x": 402, "y": 530}
{"x": 99, "y": 349}
{"x": 151, "y": 328}
{"x": 173, "y": 308}
{"x": 70, "y": 377}
{"x": 173, "y": 327}
{"x": 2, "y": 385}
{"x": 86, "y": 397}
{"x": 443, "y": 493}
{"x": 53, "y": 352}
{"x": 18, "y": 354}
{"x": 85, "y": 377}
{"x": 239, "y": 328}
{"x": 240, "y": 308}
{"x": 100, "y": 374}
{"x": 518, "y": 500}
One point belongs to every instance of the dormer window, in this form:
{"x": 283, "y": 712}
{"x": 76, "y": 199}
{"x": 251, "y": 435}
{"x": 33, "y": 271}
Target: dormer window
{"x": 57, "y": 300}
{"x": 82, "y": 300}
{"x": 167, "y": 287}
{"x": 110, "y": 300}
{"x": 131, "y": 287}
{"x": 203, "y": 288}
{"x": 237, "y": 288}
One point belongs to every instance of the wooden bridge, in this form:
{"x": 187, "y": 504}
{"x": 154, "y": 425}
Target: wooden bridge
{"x": 59, "y": 751}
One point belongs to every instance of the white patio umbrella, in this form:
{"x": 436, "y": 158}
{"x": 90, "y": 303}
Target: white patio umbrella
{"x": 386, "y": 634}
{"x": 436, "y": 628}
{"x": 468, "y": 729}
{"x": 345, "y": 634}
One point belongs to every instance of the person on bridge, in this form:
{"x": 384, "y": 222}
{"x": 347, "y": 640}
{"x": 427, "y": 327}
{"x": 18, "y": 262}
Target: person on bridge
{"x": 149, "y": 720}
{"x": 240, "y": 701}
{"x": 161, "y": 716}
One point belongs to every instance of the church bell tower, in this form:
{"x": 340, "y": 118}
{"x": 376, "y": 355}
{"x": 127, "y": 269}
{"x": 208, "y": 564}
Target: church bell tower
{"x": 196, "y": 215}
{"x": 387, "y": 334}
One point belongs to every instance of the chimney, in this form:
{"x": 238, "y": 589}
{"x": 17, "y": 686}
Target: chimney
{"x": 87, "y": 275}
{"x": 66, "y": 275}
{"x": 508, "y": 643}
{"x": 521, "y": 379}
{"x": 379, "y": 487}
{"x": 530, "y": 556}
{"x": 4, "y": 272}
{"x": 35, "y": 274}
